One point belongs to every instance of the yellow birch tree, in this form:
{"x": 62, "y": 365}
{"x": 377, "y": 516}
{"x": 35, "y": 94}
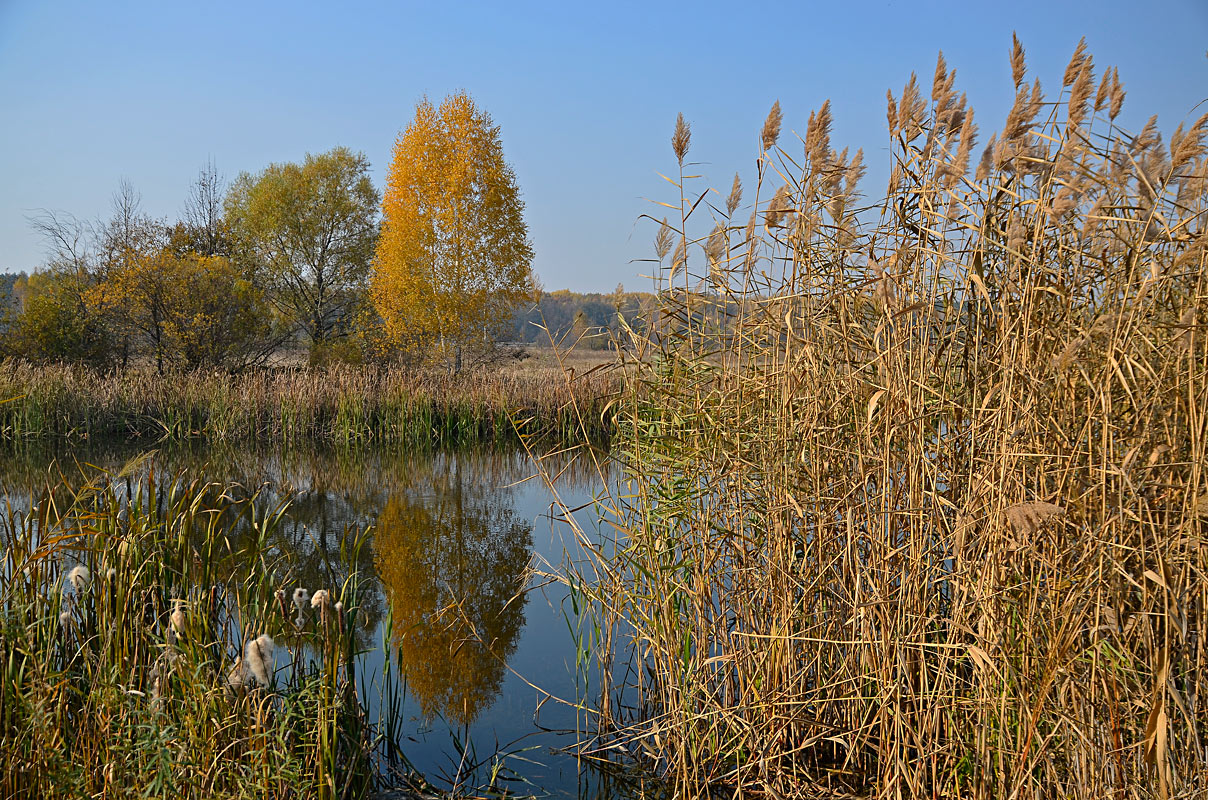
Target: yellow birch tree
{"x": 453, "y": 259}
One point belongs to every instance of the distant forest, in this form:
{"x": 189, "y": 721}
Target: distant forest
{"x": 591, "y": 315}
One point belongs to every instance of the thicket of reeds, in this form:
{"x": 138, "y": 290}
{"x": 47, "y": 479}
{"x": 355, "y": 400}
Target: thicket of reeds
{"x": 917, "y": 492}
{"x": 147, "y": 650}
{"x": 336, "y": 405}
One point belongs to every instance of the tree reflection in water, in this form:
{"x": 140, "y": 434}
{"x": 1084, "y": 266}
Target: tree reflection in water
{"x": 453, "y": 556}
{"x": 449, "y": 552}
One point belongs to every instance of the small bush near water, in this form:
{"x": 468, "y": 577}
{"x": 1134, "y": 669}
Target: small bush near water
{"x": 918, "y": 492}
{"x": 335, "y": 405}
{"x": 139, "y": 635}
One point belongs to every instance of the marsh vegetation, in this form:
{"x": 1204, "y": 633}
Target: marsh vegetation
{"x": 906, "y": 498}
{"x": 916, "y": 493}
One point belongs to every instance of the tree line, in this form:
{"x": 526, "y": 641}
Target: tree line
{"x": 301, "y": 256}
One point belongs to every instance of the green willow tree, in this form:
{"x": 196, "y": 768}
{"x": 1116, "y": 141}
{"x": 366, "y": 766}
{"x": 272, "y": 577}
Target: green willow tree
{"x": 453, "y": 260}
{"x": 309, "y": 230}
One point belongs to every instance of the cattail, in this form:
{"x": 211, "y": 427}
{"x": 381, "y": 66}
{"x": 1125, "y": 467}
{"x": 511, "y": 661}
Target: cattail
{"x": 735, "y": 196}
{"x": 301, "y": 596}
{"x": 177, "y": 620}
{"x": 1018, "y": 67}
{"x": 681, "y": 139}
{"x": 1078, "y": 61}
{"x": 258, "y": 655}
{"x": 79, "y": 578}
{"x": 321, "y": 602}
{"x": 65, "y": 618}
{"x": 1117, "y": 95}
{"x": 662, "y": 240}
{"x": 891, "y": 115}
{"x": 771, "y": 127}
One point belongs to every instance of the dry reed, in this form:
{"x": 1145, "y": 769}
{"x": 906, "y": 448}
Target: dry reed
{"x": 343, "y": 405}
{"x": 916, "y": 499}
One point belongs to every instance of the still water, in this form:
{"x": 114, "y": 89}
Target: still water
{"x": 459, "y": 602}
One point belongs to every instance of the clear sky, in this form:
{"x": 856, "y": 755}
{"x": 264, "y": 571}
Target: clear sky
{"x": 585, "y": 93}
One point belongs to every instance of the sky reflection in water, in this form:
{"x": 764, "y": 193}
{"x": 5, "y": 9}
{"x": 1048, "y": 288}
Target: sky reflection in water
{"x": 456, "y": 538}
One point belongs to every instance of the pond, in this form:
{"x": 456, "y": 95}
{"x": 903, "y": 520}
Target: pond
{"x": 460, "y": 602}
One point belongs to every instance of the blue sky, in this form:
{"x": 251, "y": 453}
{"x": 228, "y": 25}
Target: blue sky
{"x": 585, "y": 94}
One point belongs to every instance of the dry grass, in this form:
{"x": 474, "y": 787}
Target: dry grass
{"x": 135, "y": 623}
{"x": 342, "y": 404}
{"x": 917, "y": 496}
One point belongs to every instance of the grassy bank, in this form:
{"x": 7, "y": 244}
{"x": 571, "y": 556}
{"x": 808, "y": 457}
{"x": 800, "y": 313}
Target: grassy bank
{"x": 150, "y": 650}
{"x": 927, "y": 515}
{"x": 337, "y": 405}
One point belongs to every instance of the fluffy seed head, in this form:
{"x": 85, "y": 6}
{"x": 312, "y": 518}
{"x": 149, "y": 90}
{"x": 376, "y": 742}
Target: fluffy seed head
{"x": 301, "y": 597}
{"x": 1105, "y": 90}
{"x": 1078, "y": 61}
{"x": 1018, "y": 66}
{"x": 681, "y": 139}
{"x": 79, "y": 577}
{"x": 771, "y": 127}
{"x": 1080, "y": 96}
{"x": 662, "y": 240}
{"x": 735, "y": 196}
{"x": 258, "y": 656}
{"x": 177, "y": 620}
{"x": 1117, "y": 94}
{"x": 715, "y": 245}
{"x": 941, "y": 77}
{"x": 986, "y": 164}
{"x": 321, "y": 600}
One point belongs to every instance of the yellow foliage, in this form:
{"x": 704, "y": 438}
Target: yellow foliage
{"x": 454, "y": 258}
{"x": 194, "y": 310}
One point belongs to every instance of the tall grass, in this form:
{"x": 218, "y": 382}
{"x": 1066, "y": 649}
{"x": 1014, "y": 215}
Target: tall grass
{"x": 337, "y": 405}
{"x": 917, "y": 492}
{"x": 135, "y": 626}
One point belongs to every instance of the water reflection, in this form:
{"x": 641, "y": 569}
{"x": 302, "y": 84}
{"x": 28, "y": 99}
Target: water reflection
{"x": 452, "y": 556}
{"x": 452, "y": 535}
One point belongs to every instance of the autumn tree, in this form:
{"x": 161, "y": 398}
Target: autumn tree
{"x": 55, "y": 322}
{"x": 309, "y": 230}
{"x": 192, "y": 310}
{"x": 454, "y": 257}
